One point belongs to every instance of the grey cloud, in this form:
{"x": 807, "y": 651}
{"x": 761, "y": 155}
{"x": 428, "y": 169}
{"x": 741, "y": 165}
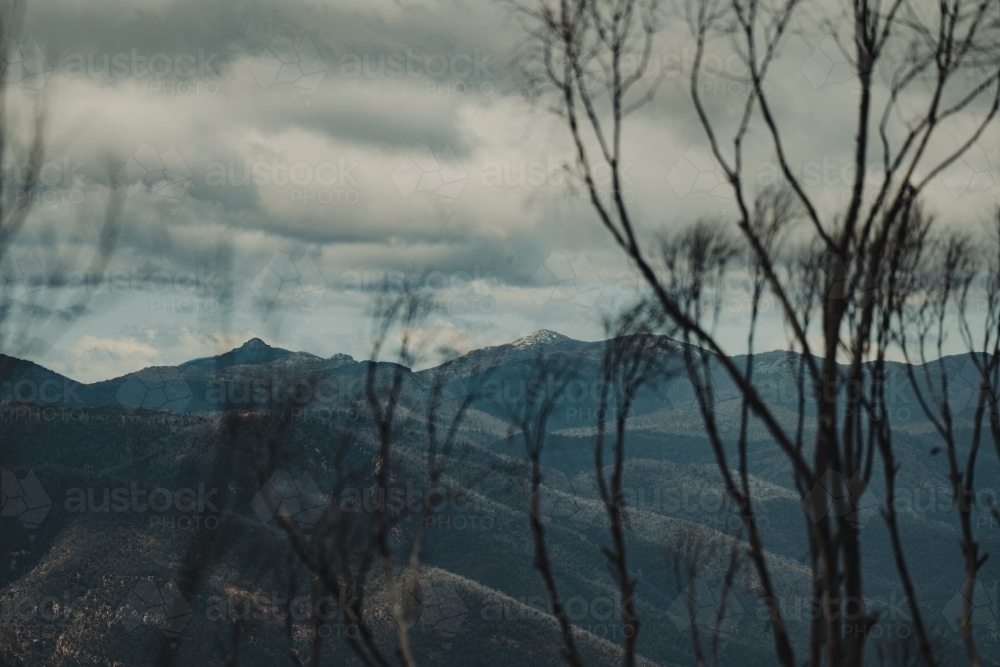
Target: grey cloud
{"x": 439, "y": 180}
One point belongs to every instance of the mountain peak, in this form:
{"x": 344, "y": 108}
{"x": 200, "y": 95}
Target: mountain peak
{"x": 540, "y": 337}
{"x": 340, "y": 359}
{"x": 255, "y": 344}
{"x": 254, "y": 351}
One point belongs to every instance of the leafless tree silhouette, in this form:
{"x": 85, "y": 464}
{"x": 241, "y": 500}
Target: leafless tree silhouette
{"x": 356, "y": 539}
{"x": 529, "y": 421}
{"x": 690, "y": 553}
{"x": 588, "y": 60}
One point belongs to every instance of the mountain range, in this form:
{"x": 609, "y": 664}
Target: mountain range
{"x": 125, "y": 589}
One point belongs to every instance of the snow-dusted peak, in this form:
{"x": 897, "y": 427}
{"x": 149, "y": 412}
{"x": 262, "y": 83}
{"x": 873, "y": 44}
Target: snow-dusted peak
{"x": 340, "y": 359}
{"x": 540, "y": 337}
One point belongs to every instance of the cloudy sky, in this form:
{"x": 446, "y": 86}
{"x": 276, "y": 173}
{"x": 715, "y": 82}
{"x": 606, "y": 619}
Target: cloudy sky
{"x": 276, "y": 163}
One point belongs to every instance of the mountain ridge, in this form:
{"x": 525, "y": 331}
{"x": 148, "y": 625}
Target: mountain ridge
{"x": 255, "y": 374}
{"x": 256, "y": 351}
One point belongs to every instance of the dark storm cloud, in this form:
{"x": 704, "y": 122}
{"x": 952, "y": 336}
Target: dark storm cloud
{"x": 352, "y": 38}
